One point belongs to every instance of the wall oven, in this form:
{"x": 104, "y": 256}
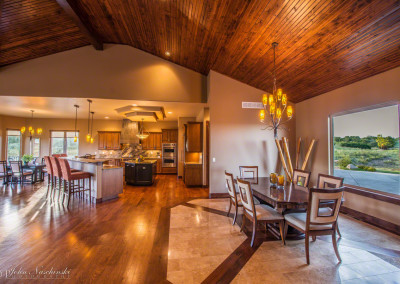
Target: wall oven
{"x": 169, "y": 155}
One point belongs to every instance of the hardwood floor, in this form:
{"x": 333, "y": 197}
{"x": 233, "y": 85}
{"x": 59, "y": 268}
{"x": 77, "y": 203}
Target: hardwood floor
{"x": 111, "y": 242}
{"x": 167, "y": 233}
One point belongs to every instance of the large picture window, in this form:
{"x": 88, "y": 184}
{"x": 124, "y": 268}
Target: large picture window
{"x": 13, "y": 145}
{"x": 63, "y": 142}
{"x": 366, "y": 148}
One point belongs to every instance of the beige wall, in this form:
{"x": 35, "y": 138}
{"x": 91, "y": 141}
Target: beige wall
{"x": 236, "y": 134}
{"x": 312, "y": 121}
{"x": 8, "y": 122}
{"x": 117, "y": 72}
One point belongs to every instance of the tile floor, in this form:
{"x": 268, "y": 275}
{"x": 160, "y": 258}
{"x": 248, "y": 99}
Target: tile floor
{"x": 199, "y": 241}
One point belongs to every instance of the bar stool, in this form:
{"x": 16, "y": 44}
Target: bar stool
{"x": 57, "y": 176}
{"x": 70, "y": 178}
{"x": 49, "y": 170}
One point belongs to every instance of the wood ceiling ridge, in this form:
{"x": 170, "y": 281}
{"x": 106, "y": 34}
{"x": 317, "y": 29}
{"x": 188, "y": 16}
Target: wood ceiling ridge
{"x": 319, "y": 58}
{"x": 242, "y": 52}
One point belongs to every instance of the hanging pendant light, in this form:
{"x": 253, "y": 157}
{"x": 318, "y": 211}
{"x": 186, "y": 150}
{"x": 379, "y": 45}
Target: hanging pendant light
{"x": 76, "y": 122}
{"x": 142, "y": 133}
{"x": 31, "y": 130}
{"x": 275, "y": 104}
{"x": 88, "y": 136}
{"x": 91, "y": 130}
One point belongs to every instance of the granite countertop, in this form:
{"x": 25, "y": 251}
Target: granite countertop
{"x": 151, "y": 158}
{"x": 143, "y": 162}
{"x": 84, "y": 160}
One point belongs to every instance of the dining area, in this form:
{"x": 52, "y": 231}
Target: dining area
{"x": 289, "y": 210}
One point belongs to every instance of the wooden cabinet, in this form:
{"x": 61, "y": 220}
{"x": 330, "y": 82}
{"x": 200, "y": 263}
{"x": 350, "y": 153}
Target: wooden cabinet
{"x": 193, "y": 175}
{"x": 153, "y": 142}
{"x": 159, "y": 166}
{"x": 194, "y": 137}
{"x": 109, "y": 140}
{"x": 170, "y": 135}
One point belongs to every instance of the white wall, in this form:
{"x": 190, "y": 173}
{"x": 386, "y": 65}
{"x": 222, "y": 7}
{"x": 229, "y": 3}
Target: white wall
{"x": 117, "y": 72}
{"x": 312, "y": 122}
{"x": 236, "y": 135}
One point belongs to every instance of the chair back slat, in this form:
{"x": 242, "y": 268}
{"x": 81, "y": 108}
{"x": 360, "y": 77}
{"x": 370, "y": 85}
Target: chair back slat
{"x": 230, "y": 185}
{"x": 301, "y": 178}
{"x": 319, "y": 196}
{"x": 327, "y": 181}
{"x": 248, "y": 172}
{"x": 246, "y": 196}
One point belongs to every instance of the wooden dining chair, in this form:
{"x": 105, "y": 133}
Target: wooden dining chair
{"x": 328, "y": 182}
{"x": 19, "y": 172}
{"x": 318, "y": 221}
{"x": 257, "y": 213}
{"x": 4, "y": 173}
{"x": 301, "y": 178}
{"x": 234, "y": 198}
{"x": 248, "y": 172}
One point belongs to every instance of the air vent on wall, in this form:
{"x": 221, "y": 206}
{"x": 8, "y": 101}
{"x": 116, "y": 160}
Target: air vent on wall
{"x": 255, "y": 105}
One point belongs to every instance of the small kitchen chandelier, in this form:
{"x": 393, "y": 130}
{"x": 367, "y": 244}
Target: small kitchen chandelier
{"x": 88, "y": 136}
{"x": 91, "y": 129}
{"x": 76, "y": 122}
{"x": 31, "y": 130}
{"x": 142, "y": 133}
{"x": 275, "y": 104}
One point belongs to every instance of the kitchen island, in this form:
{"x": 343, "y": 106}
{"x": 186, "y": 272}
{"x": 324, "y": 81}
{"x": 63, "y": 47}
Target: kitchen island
{"x": 140, "y": 173}
{"x": 107, "y": 180}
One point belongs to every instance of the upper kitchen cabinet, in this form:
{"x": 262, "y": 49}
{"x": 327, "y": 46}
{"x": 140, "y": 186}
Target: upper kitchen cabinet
{"x": 194, "y": 137}
{"x": 169, "y": 135}
{"x": 153, "y": 142}
{"x": 109, "y": 140}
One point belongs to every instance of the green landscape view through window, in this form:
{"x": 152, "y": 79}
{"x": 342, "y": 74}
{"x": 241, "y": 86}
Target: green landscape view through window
{"x": 366, "y": 148}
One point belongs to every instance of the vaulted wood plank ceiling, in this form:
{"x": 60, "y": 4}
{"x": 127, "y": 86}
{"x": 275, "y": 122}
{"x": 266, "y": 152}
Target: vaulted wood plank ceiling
{"x": 323, "y": 44}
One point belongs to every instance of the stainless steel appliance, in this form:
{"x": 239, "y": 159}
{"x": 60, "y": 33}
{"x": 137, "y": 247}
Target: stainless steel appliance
{"x": 169, "y": 155}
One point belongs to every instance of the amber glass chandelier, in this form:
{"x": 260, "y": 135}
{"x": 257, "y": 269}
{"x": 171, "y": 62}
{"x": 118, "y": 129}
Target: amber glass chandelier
{"x": 31, "y": 130}
{"x": 275, "y": 104}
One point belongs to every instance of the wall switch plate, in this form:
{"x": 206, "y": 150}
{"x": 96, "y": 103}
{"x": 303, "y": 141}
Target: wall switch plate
{"x": 213, "y": 160}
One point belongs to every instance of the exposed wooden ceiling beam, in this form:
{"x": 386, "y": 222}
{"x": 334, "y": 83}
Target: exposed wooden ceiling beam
{"x": 91, "y": 37}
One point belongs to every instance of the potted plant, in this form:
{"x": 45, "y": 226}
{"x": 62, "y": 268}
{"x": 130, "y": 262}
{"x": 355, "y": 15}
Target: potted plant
{"x": 26, "y": 159}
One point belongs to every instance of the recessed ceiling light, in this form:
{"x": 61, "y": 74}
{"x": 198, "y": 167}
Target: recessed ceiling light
{"x": 170, "y": 112}
{"x": 106, "y": 117}
{"x": 134, "y": 105}
{"x": 167, "y": 53}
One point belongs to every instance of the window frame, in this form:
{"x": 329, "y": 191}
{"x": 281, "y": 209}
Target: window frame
{"x": 65, "y": 143}
{"x": 363, "y": 191}
{"x": 32, "y": 145}
{"x": 20, "y": 142}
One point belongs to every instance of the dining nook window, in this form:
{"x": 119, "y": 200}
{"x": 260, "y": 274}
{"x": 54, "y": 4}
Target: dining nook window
{"x": 13, "y": 145}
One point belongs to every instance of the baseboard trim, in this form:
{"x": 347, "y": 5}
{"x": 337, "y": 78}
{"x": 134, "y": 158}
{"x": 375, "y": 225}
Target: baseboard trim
{"x": 219, "y": 195}
{"x": 380, "y": 223}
